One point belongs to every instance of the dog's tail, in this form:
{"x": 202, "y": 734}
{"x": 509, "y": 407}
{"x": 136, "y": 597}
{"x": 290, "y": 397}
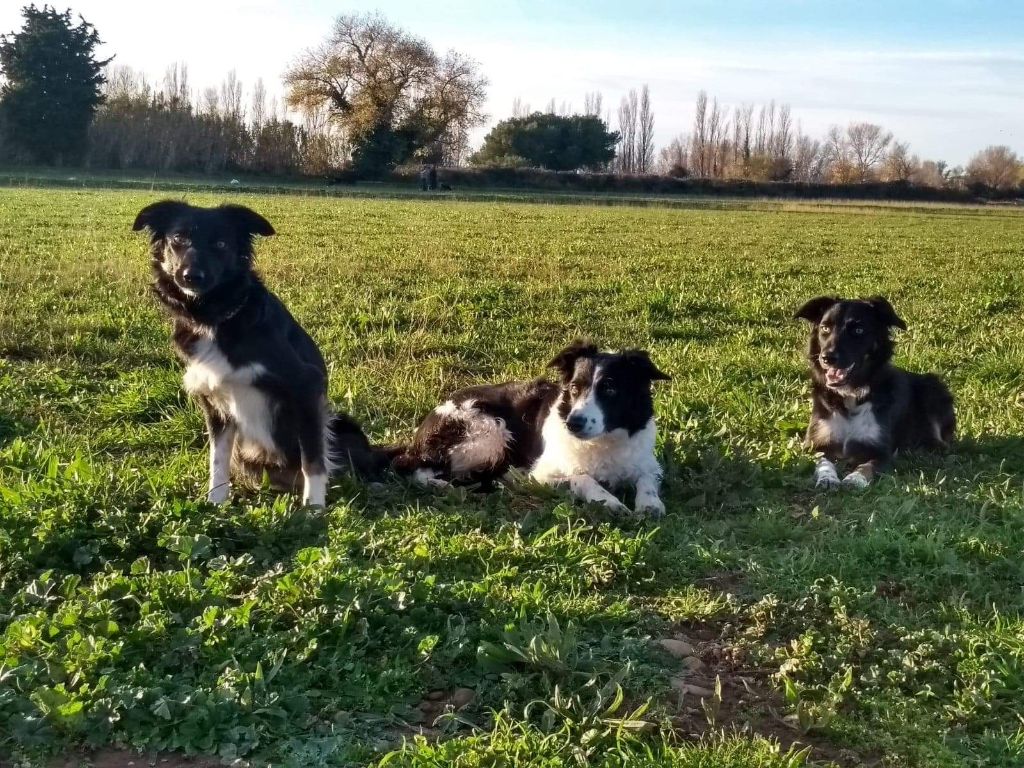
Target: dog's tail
{"x": 350, "y": 449}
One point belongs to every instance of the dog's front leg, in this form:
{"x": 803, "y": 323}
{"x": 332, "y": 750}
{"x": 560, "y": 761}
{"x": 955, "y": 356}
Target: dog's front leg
{"x": 647, "y": 499}
{"x": 588, "y": 489}
{"x": 311, "y": 427}
{"x": 872, "y": 461}
{"x": 222, "y": 442}
{"x": 826, "y": 475}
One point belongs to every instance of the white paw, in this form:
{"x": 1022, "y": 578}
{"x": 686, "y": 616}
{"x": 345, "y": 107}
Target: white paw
{"x": 856, "y": 480}
{"x": 617, "y": 506}
{"x": 218, "y": 494}
{"x": 427, "y": 478}
{"x": 828, "y": 482}
{"x": 651, "y": 506}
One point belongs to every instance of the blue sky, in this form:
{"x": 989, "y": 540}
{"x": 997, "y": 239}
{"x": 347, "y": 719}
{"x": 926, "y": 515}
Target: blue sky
{"x": 946, "y": 76}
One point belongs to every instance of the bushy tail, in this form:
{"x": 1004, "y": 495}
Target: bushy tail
{"x": 351, "y": 450}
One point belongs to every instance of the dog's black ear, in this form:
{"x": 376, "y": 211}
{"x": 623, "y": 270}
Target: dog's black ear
{"x": 815, "y": 309}
{"x": 248, "y": 221}
{"x": 886, "y": 313}
{"x": 157, "y": 217}
{"x": 565, "y": 361}
{"x": 640, "y": 361}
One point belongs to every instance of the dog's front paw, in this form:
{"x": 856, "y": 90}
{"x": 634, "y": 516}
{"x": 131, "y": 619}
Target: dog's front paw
{"x": 617, "y": 506}
{"x": 827, "y": 482}
{"x": 650, "y": 506}
{"x": 856, "y": 480}
{"x": 218, "y": 494}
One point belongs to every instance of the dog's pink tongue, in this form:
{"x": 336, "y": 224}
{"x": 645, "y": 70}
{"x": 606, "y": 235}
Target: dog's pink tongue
{"x": 835, "y": 375}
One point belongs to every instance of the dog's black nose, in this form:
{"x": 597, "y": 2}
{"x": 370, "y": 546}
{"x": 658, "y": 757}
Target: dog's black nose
{"x": 576, "y": 423}
{"x": 192, "y": 276}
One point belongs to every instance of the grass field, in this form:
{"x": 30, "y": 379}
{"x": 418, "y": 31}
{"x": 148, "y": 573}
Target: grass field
{"x": 431, "y": 629}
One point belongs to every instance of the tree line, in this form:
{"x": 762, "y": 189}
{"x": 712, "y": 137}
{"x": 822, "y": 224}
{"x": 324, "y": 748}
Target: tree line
{"x": 372, "y": 96}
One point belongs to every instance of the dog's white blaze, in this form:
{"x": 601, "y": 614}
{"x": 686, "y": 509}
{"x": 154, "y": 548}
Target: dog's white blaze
{"x": 231, "y": 392}
{"x": 485, "y": 442}
{"x": 314, "y": 491}
{"x": 590, "y": 410}
{"x": 613, "y": 458}
{"x": 859, "y": 425}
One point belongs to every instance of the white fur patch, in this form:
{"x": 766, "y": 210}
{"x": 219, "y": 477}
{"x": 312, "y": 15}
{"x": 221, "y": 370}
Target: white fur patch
{"x": 825, "y": 474}
{"x": 231, "y": 391}
{"x": 220, "y": 465}
{"x": 856, "y": 480}
{"x": 486, "y": 440}
{"x": 613, "y": 458}
{"x": 314, "y": 492}
{"x": 858, "y": 425}
{"x": 428, "y": 478}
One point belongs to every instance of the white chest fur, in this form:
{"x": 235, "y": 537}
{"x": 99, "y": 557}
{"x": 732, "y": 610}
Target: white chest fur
{"x": 230, "y": 390}
{"x": 857, "y": 425}
{"x": 612, "y": 459}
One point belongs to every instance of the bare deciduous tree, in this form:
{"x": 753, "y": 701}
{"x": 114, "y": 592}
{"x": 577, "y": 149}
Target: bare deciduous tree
{"x": 867, "y": 144}
{"x": 629, "y": 129}
{"x": 998, "y": 167}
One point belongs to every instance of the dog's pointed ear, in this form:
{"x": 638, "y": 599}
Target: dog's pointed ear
{"x": 157, "y": 217}
{"x": 815, "y": 309}
{"x": 565, "y": 361}
{"x": 886, "y": 313}
{"x": 249, "y": 222}
{"x": 641, "y": 362}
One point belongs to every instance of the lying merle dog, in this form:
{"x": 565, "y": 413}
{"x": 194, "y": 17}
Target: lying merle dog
{"x": 257, "y": 375}
{"x": 594, "y": 428}
{"x": 863, "y": 407}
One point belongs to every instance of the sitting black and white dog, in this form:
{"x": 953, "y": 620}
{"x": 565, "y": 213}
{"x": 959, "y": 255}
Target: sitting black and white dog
{"x": 257, "y": 375}
{"x": 863, "y": 407}
{"x": 594, "y": 428}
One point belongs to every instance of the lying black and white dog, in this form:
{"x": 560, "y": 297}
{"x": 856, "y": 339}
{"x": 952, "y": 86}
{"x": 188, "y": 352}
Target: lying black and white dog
{"x": 257, "y": 375}
{"x": 594, "y": 428}
{"x": 863, "y": 407}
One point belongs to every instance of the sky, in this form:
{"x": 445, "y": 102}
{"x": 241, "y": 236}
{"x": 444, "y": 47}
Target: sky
{"x": 945, "y": 75}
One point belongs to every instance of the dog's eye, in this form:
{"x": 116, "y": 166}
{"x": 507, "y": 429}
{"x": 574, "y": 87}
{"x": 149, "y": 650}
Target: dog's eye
{"x": 574, "y": 390}
{"x": 609, "y": 388}
{"x": 178, "y": 239}
{"x": 859, "y": 330}
{"x": 826, "y": 329}
{"x": 220, "y": 245}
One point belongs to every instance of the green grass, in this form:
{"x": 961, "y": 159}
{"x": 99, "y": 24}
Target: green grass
{"x": 883, "y": 628}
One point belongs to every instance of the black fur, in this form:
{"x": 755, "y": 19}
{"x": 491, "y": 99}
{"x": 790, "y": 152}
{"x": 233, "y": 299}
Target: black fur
{"x": 226, "y": 301}
{"x": 850, "y": 353}
{"x": 522, "y": 407}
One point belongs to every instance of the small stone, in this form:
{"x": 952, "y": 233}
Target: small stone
{"x": 677, "y": 648}
{"x": 693, "y": 664}
{"x": 462, "y": 697}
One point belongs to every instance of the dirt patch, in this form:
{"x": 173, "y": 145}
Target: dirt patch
{"x": 718, "y": 689}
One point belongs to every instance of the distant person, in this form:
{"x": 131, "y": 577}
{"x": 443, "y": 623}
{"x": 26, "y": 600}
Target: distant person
{"x": 424, "y": 178}
{"x": 432, "y": 176}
